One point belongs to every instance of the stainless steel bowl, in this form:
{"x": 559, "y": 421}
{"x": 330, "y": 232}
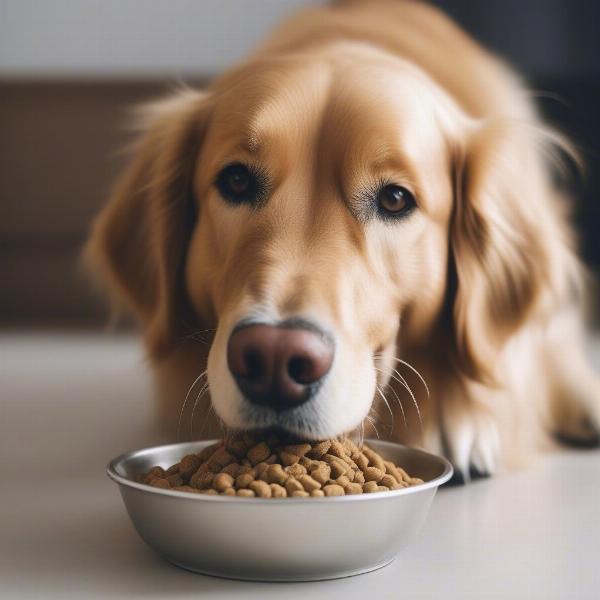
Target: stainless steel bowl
{"x": 283, "y": 539}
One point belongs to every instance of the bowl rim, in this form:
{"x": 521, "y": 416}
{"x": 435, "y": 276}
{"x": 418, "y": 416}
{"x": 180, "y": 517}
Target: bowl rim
{"x": 111, "y": 471}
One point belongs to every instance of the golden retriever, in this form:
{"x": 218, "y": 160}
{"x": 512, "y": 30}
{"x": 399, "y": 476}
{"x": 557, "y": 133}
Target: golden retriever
{"x": 363, "y": 209}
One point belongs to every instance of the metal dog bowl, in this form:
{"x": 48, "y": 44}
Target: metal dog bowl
{"x": 283, "y": 539}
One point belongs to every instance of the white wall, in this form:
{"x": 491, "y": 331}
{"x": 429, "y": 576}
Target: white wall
{"x": 64, "y": 38}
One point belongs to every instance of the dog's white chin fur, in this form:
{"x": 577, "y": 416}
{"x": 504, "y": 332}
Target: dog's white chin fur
{"x": 342, "y": 401}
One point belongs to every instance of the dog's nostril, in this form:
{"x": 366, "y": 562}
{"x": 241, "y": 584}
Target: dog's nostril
{"x": 301, "y": 370}
{"x": 254, "y": 364}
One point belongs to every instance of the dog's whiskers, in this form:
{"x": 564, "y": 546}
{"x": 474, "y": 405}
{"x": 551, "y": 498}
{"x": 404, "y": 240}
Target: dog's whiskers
{"x": 200, "y": 395}
{"x": 179, "y": 423}
{"x": 405, "y": 385}
{"x": 380, "y": 391}
{"x": 396, "y": 396}
{"x": 415, "y": 371}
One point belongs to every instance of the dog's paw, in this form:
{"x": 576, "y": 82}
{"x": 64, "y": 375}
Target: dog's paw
{"x": 472, "y": 443}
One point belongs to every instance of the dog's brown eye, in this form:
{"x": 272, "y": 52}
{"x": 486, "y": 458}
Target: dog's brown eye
{"x": 395, "y": 200}
{"x": 238, "y": 184}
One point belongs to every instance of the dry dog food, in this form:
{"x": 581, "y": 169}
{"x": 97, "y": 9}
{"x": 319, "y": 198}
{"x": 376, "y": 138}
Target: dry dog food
{"x": 269, "y": 468}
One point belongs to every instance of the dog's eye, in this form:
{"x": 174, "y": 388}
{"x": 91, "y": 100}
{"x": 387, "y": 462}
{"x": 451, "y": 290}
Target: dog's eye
{"x": 238, "y": 183}
{"x": 395, "y": 201}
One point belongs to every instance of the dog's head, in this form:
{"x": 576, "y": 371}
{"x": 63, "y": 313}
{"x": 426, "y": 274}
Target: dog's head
{"x": 317, "y": 212}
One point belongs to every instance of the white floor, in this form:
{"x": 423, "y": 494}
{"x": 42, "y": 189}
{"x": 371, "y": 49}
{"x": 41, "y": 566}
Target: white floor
{"x": 69, "y": 403}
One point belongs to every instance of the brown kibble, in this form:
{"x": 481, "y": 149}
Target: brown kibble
{"x": 388, "y": 481}
{"x": 221, "y": 458}
{"x": 362, "y": 461}
{"x": 333, "y": 490}
{"x": 207, "y": 452}
{"x": 343, "y": 480}
{"x": 261, "y": 489}
{"x": 275, "y": 474}
{"x": 295, "y": 470}
{"x": 370, "y": 487}
{"x": 188, "y": 465}
{"x": 354, "y": 488}
{"x": 172, "y": 469}
{"x": 233, "y": 469}
{"x": 373, "y": 474}
{"x": 278, "y": 491}
{"x": 297, "y": 449}
{"x": 293, "y": 485}
{"x": 222, "y": 481}
{"x": 244, "y": 480}
{"x": 202, "y": 479}
{"x": 300, "y": 494}
{"x": 321, "y": 473}
{"x": 159, "y": 482}
{"x": 259, "y": 453}
{"x": 175, "y": 480}
{"x": 237, "y": 448}
{"x": 248, "y": 466}
{"x": 288, "y": 459}
{"x": 308, "y": 483}
{"x": 374, "y": 459}
{"x": 338, "y": 450}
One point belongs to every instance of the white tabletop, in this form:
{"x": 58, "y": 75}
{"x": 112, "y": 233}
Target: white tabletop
{"x": 69, "y": 403}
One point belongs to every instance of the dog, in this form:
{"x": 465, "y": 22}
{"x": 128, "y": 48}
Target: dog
{"x": 358, "y": 227}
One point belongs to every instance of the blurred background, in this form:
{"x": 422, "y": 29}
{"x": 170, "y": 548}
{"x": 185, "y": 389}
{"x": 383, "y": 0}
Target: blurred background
{"x": 70, "y": 69}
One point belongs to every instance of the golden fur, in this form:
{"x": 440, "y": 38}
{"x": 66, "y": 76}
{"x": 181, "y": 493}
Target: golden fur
{"x": 479, "y": 289}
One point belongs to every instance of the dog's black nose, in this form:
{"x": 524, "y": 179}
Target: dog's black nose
{"x": 277, "y": 366}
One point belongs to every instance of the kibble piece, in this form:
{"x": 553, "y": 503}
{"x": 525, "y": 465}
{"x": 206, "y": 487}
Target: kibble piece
{"x": 244, "y": 480}
{"x": 300, "y": 494}
{"x": 320, "y": 449}
{"x": 229, "y": 491}
{"x": 272, "y": 459}
{"x": 259, "y": 453}
{"x": 159, "y": 482}
{"x": 362, "y": 461}
{"x": 288, "y": 459}
{"x": 373, "y": 474}
{"x": 233, "y": 469}
{"x": 154, "y": 472}
{"x": 295, "y": 470}
{"x": 338, "y": 450}
{"x": 370, "y": 487}
{"x": 415, "y": 481}
{"x": 278, "y": 491}
{"x": 343, "y": 480}
{"x": 260, "y": 468}
{"x": 383, "y": 488}
{"x": 175, "y": 480}
{"x": 338, "y": 466}
{"x": 388, "y": 481}
{"x": 333, "y": 490}
{"x": 221, "y": 458}
{"x": 275, "y": 474}
{"x": 207, "y": 452}
{"x": 172, "y": 469}
{"x": 261, "y": 489}
{"x": 237, "y": 448}
{"x": 188, "y": 465}
{"x": 210, "y": 492}
{"x": 246, "y": 493}
{"x": 359, "y": 477}
{"x": 293, "y": 485}
{"x": 222, "y": 481}
{"x": 374, "y": 459}
{"x": 308, "y": 483}
{"x": 297, "y": 449}
{"x": 202, "y": 479}
{"x": 321, "y": 473}
{"x": 306, "y": 462}
{"x": 354, "y": 488}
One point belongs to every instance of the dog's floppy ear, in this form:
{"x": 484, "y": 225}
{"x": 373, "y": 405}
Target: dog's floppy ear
{"x": 139, "y": 240}
{"x": 508, "y": 247}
